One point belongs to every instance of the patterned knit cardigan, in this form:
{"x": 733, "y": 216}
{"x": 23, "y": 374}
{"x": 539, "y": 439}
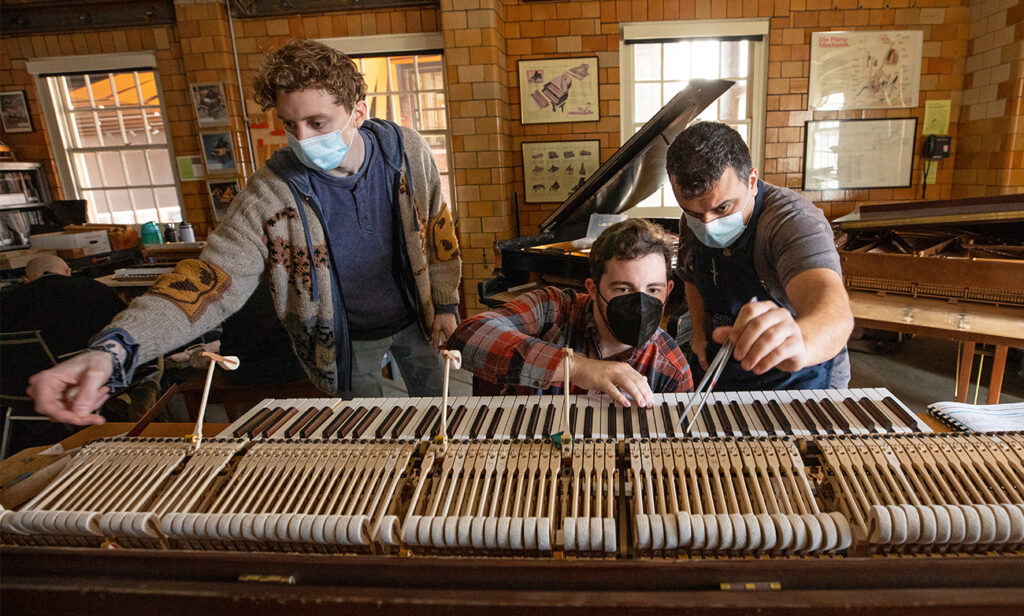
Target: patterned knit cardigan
{"x": 266, "y": 232}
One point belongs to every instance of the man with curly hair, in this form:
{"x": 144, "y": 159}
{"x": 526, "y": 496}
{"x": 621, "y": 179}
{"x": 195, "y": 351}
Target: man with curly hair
{"x": 349, "y": 227}
{"x": 742, "y": 238}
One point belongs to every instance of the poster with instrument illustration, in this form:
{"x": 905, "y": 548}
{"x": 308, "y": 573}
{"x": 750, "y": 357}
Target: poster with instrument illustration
{"x": 553, "y": 170}
{"x": 865, "y": 70}
{"x": 562, "y": 90}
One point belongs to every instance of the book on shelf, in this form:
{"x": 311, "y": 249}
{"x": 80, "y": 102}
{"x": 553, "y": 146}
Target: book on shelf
{"x": 980, "y": 417}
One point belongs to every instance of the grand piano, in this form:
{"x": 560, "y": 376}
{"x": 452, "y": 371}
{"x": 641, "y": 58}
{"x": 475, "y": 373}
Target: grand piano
{"x": 633, "y": 173}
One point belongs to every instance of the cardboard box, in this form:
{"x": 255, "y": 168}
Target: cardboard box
{"x": 93, "y": 242}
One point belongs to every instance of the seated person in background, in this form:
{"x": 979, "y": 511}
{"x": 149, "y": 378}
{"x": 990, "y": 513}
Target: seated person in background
{"x": 256, "y": 337}
{"x": 613, "y": 328}
{"x": 740, "y": 237}
{"x": 68, "y": 309}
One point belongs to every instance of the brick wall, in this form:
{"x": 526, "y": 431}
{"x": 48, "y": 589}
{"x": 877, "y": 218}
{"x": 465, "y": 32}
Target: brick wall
{"x": 991, "y": 142}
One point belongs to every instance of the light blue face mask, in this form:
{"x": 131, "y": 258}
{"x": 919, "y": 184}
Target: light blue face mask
{"x": 720, "y": 232}
{"x": 323, "y": 152}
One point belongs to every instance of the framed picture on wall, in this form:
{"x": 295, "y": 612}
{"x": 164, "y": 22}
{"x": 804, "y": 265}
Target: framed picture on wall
{"x": 865, "y": 70}
{"x": 221, "y": 195}
{"x": 553, "y": 170}
{"x": 14, "y": 112}
{"x": 218, "y": 153}
{"x": 562, "y": 90}
{"x": 841, "y": 154}
{"x": 209, "y": 103}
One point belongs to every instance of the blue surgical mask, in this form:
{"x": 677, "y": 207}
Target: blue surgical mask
{"x": 323, "y": 152}
{"x": 720, "y": 232}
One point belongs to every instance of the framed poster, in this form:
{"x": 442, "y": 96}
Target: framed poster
{"x": 563, "y": 90}
{"x": 865, "y": 70}
{"x": 218, "y": 153}
{"x": 843, "y": 154}
{"x": 221, "y": 196}
{"x": 14, "y": 112}
{"x": 209, "y": 104}
{"x": 553, "y": 170}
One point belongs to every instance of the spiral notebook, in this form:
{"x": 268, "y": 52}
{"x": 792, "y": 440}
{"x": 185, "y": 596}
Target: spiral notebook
{"x": 980, "y": 417}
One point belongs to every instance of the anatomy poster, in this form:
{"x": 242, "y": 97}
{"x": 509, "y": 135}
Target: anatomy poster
{"x": 562, "y": 90}
{"x": 553, "y": 170}
{"x": 865, "y": 70}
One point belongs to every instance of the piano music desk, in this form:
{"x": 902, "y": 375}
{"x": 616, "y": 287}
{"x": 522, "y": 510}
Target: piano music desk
{"x": 967, "y": 322}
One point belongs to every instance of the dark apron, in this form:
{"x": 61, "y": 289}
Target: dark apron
{"x": 727, "y": 279}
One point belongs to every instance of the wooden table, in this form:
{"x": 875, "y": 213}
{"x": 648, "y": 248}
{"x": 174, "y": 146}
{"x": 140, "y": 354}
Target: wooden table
{"x": 969, "y": 323}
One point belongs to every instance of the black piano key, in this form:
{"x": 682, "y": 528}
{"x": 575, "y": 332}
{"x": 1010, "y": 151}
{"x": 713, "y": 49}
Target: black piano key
{"x": 588, "y": 422}
{"x": 836, "y": 414}
{"x": 368, "y": 417}
{"x": 435, "y": 429}
{"x": 627, "y": 422}
{"x": 762, "y": 416}
{"x": 611, "y": 421}
{"x": 549, "y": 420}
{"x": 310, "y": 428}
{"x": 723, "y": 419}
{"x": 666, "y": 414}
{"x": 517, "y": 422}
{"x": 531, "y": 426}
{"x": 780, "y": 416}
{"x": 641, "y": 415}
{"x": 879, "y": 415}
{"x": 403, "y": 421}
{"x": 907, "y": 419}
{"x": 301, "y": 421}
{"x": 805, "y": 417}
{"x": 709, "y": 417}
{"x": 348, "y": 428}
{"x": 572, "y": 420}
{"x": 454, "y": 421}
{"x": 424, "y": 424}
{"x": 741, "y": 419}
{"x": 863, "y": 417}
{"x": 278, "y": 422}
{"x": 268, "y": 420}
{"x": 337, "y": 422}
{"x": 822, "y": 418}
{"x": 495, "y": 422}
{"x": 258, "y": 418}
{"x": 481, "y": 414}
{"x": 389, "y": 420}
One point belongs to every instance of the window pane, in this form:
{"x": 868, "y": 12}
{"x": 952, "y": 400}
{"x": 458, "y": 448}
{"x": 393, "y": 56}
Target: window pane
{"x": 734, "y": 58}
{"x": 403, "y": 73}
{"x": 677, "y": 61}
{"x": 648, "y": 100}
{"x": 376, "y": 73}
{"x": 648, "y": 62}
{"x": 405, "y": 110}
{"x": 134, "y": 127}
{"x": 377, "y": 106}
{"x": 127, "y": 93}
{"x": 742, "y": 130}
{"x": 670, "y": 89}
{"x": 157, "y": 134}
{"x": 705, "y": 59}
{"x": 432, "y": 111}
{"x": 145, "y": 205}
{"x": 99, "y": 84}
{"x": 135, "y": 167}
{"x": 147, "y": 83}
{"x": 83, "y": 127}
{"x": 96, "y": 204}
{"x": 110, "y": 128}
{"x": 734, "y": 102}
{"x": 78, "y": 92}
{"x": 431, "y": 73}
{"x": 87, "y": 169}
{"x": 160, "y": 166}
{"x": 111, "y": 169}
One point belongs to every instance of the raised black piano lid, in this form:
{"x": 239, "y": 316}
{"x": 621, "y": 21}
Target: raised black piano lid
{"x": 634, "y": 172}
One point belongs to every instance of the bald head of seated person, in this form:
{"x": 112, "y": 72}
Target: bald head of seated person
{"x": 612, "y": 328}
{"x": 742, "y": 238}
{"x": 68, "y": 310}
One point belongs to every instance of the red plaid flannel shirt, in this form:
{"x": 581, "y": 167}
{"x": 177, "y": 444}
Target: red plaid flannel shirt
{"x": 519, "y": 345}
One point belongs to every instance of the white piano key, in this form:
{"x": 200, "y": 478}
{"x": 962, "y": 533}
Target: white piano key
{"x": 301, "y": 405}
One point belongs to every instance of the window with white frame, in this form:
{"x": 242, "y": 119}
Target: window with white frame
{"x": 659, "y": 59}
{"x": 405, "y": 83}
{"x": 113, "y": 149}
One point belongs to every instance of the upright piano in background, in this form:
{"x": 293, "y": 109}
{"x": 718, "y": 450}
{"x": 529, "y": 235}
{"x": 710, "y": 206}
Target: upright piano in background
{"x": 633, "y": 173}
{"x": 944, "y": 268}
